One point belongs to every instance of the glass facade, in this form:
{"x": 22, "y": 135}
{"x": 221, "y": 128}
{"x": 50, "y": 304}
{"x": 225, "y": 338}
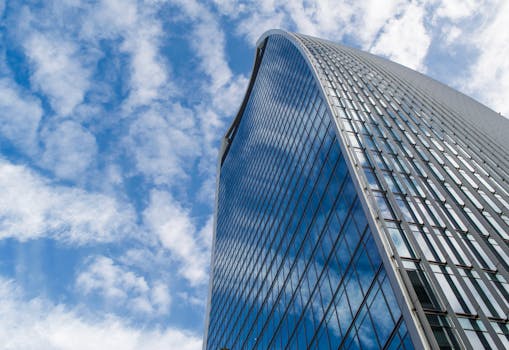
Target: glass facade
{"x": 440, "y": 198}
{"x": 360, "y": 205}
{"x": 295, "y": 262}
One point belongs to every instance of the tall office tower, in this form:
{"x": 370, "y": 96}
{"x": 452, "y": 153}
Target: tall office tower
{"x": 360, "y": 205}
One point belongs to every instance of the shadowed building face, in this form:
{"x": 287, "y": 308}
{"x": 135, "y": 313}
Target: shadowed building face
{"x": 359, "y": 205}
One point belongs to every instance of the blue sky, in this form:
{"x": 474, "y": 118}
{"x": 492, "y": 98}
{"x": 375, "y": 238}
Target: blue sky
{"x": 111, "y": 113}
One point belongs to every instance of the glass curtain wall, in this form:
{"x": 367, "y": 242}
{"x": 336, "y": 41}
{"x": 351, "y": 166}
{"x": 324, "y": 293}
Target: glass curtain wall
{"x": 295, "y": 264}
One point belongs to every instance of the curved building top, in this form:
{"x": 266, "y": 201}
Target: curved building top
{"x": 468, "y": 110}
{"x": 430, "y": 167}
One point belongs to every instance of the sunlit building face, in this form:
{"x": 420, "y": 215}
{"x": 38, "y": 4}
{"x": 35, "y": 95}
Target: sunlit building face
{"x": 360, "y": 205}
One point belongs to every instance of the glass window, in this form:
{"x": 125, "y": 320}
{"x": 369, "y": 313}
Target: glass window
{"x": 443, "y": 332}
{"x": 421, "y": 286}
{"x": 476, "y": 333}
{"x": 398, "y": 239}
{"x": 453, "y": 290}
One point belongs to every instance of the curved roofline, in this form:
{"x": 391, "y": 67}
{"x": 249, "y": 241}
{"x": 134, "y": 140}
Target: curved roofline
{"x": 270, "y": 32}
{"x": 260, "y": 48}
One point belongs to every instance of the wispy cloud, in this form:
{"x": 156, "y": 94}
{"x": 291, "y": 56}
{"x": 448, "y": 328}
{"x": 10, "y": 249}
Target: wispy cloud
{"x": 32, "y": 206}
{"x": 178, "y": 233}
{"x": 489, "y": 75}
{"x": 58, "y": 71}
{"x": 475, "y": 31}
{"x": 20, "y": 114}
{"x": 38, "y": 323}
{"x": 405, "y": 39}
{"x": 163, "y": 142}
{"x": 139, "y": 31}
{"x": 69, "y": 149}
{"x": 122, "y": 287}
{"x": 222, "y": 90}
{"x": 222, "y": 87}
{"x": 361, "y": 20}
{"x": 456, "y": 10}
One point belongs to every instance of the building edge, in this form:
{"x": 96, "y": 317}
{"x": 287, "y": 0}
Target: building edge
{"x": 223, "y": 150}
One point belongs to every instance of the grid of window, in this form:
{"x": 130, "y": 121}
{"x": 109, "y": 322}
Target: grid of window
{"x": 295, "y": 263}
{"x": 438, "y": 186}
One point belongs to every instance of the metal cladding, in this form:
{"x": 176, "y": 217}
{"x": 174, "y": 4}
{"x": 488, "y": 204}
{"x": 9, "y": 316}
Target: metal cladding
{"x": 360, "y": 204}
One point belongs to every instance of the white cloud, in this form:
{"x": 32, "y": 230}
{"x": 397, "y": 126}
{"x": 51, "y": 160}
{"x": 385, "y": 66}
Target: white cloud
{"x": 207, "y": 191}
{"x": 326, "y": 19}
{"x": 109, "y": 17}
{"x": 163, "y": 143}
{"x": 64, "y": 53}
{"x": 458, "y": 20}
{"x": 370, "y": 17}
{"x": 198, "y": 301}
{"x": 257, "y": 22}
{"x": 40, "y": 324}
{"x": 32, "y": 207}
{"x": 489, "y": 75}
{"x": 143, "y": 258}
{"x": 451, "y": 34}
{"x": 208, "y": 40}
{"x": 405, "y": 39}
{"x": 223, "y": 90}
{"x": 161, "y": 134}
{"x": 160, "y": 296}
{"x": 254, "y": 18}
{"x": 231, "y": 8}
{"x": 141, "y": 33}
{"x": 69, "y": 151}
{"x": 58, "y": 70}
{"x": 177, "y": 233}
{"x": 228, "y": 97}
{"x": 209, "y": 44}
{"x": 163, "y": 261}
{"x": 394, "y": 28}
{"x": 456, "y": 10}
{"x": 122, "y": 287}
{"x": 212, "y": 125}
{"x": 20, "y": 114}
{"x": 206, "y": 233}
{"x": 149, "y": 76}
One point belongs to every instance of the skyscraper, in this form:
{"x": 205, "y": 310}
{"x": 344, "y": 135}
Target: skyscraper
{"x": 360, "y": 204}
